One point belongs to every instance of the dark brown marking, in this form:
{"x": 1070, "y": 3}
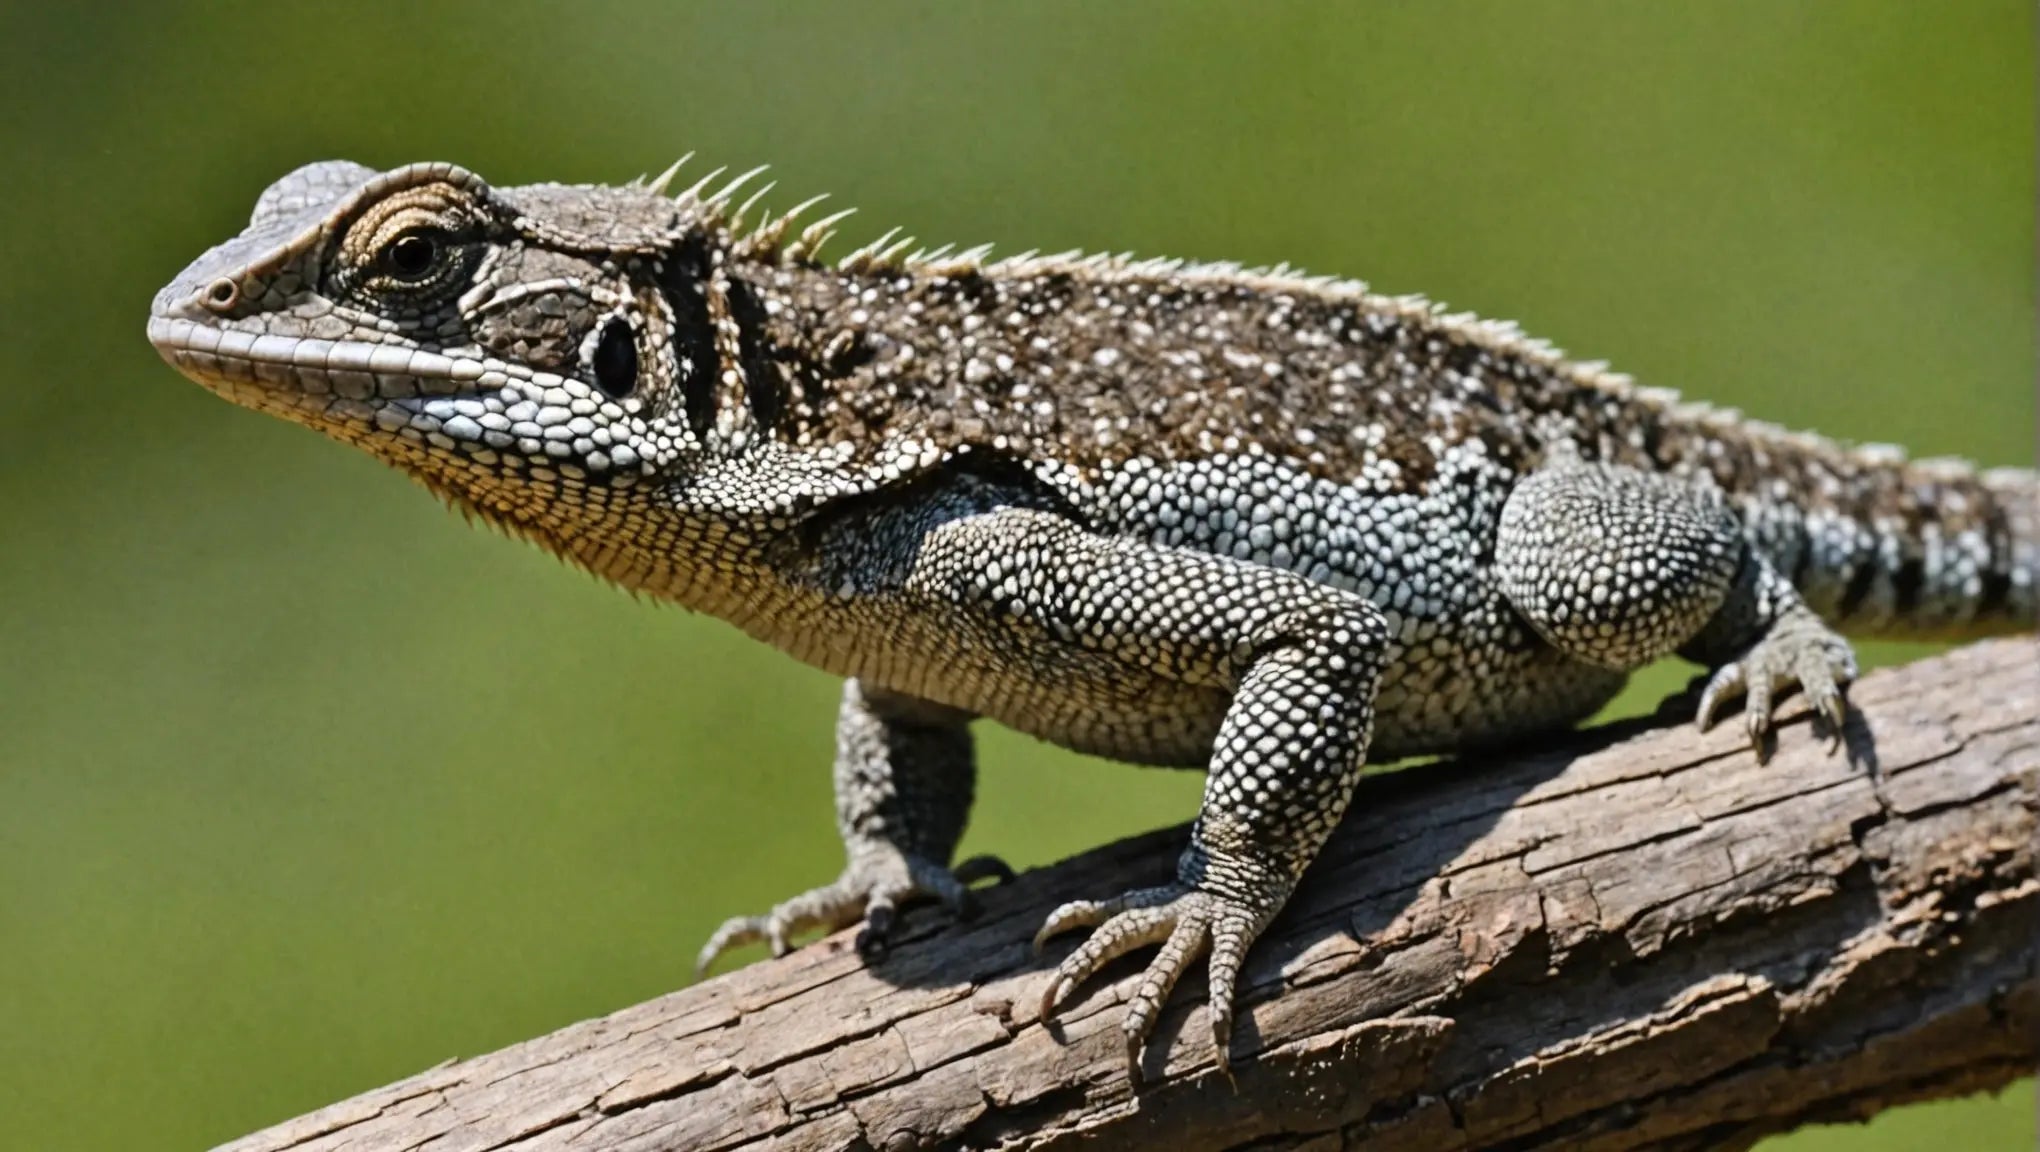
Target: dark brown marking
{"x": 764, "y": 378}
{"x": 1861, "y": 579}
{"x": 1907, "y": 582}
{"x": 684, "y": 281}
{"x": 1997, "y": 569}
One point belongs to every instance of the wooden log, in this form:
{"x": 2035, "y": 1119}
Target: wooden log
{"x": 1640, "y": 939}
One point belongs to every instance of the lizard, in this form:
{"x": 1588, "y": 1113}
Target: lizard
{"x": 1261, "y": 523}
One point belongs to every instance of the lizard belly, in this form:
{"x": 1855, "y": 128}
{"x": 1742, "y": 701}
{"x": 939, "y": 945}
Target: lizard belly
{"x": 1442, "y": 697}
{"x": 1472, "y": 679}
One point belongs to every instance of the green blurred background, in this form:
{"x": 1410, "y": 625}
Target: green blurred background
{"x": 304, "y": 785}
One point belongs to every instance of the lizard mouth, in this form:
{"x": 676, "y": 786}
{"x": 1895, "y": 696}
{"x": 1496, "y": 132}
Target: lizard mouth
{"x": 422, "y": 410}
{"x": 311, "y": 367}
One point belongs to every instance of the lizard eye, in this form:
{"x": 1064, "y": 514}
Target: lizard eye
{"x": 412, "y": 254}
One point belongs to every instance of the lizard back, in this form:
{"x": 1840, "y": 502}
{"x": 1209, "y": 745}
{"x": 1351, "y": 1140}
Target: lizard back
{"x": 1083, "y": 365}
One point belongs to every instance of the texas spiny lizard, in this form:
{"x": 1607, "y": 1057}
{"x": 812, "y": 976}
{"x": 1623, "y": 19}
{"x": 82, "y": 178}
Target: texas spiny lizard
{"x": 1249, "y": 521}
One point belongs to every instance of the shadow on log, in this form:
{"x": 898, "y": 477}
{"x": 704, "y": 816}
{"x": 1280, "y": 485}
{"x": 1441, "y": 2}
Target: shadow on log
{"x": 1643, "y": 939}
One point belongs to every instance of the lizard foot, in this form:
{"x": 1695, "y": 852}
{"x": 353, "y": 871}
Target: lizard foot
{"x": 872, "y": 886}
{"x": 1798, "y": 649}
{"x": 1184, "y": 921}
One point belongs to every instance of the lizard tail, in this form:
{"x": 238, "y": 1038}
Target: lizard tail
{"x": 1927, "y": 549}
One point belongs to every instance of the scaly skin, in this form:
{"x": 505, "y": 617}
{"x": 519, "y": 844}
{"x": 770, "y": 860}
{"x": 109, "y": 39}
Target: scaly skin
{"x": 1176, "y": 514}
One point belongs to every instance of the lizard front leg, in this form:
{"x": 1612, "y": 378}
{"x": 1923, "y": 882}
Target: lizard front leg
{"x": 1619, "y": 567}
{"x": 905, "y": 774}
{"x": 1300, "y": 661}
{"x": 1282, "y": 770}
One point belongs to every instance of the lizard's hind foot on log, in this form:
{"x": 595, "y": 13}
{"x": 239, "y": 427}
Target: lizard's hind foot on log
{"x": 1797, "y": 650}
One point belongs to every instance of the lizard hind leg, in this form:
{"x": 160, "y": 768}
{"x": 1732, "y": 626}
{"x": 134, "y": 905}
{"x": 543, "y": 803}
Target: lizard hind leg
{"x": 1619, "y": 567}
{"x": 1615, "y": 566}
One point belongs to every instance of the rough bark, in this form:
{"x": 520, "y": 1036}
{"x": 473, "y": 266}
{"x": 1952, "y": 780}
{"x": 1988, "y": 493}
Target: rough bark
{"x": 1643, "y": 939}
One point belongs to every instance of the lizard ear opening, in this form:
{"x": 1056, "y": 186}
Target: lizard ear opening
{"x": 613, "y": 359}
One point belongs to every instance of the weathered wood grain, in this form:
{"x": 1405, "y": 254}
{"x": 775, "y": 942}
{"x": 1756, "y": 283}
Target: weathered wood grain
{"x": 1641, "y": 940}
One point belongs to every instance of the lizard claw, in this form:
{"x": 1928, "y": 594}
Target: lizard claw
{"x": 1798, "y": 650}
{"x": 1185, "y": 921}
{"x": 873, "y": 886}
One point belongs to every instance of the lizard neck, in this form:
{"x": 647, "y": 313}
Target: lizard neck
{"x": 637, "y": 536}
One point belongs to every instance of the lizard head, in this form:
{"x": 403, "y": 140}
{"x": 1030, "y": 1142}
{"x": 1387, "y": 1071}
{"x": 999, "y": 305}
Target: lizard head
{"x": 516, "y": 349}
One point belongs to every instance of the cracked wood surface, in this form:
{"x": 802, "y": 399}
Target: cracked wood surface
{"x": 1639, "y": 939}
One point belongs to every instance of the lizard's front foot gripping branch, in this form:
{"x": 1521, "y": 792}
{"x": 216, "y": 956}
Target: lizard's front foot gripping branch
{"x": 872, "y": 887}
{"x": 1184, "y": 921}
{"x": 1282, "y": 768}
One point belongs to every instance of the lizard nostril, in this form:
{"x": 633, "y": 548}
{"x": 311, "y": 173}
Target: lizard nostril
{"x": 222, "y": 294}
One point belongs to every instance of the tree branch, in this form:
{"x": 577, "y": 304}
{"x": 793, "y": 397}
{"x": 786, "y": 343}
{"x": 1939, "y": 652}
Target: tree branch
{"x": 1641, "y": 940}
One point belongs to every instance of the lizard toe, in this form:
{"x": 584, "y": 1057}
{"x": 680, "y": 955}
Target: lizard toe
{"x": 829, "y": 907}
{"x": 1233, "y": 930}
{"x": 1821, "y": 677}
{"x": 1091, "y": 913}
{"x": 881, "y": 913}
{"x": 1136, "y": 919}
{"x": 733, "y": 932}
{"x": 1726, "y": 684}
{"x": 984, "y": 868}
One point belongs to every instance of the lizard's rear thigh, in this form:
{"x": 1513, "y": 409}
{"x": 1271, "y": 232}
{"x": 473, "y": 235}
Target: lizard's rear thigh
{"x": 1616, "y": 566}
